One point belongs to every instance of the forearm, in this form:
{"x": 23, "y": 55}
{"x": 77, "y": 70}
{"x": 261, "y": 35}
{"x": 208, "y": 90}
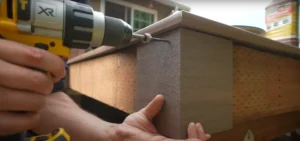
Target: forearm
{"x": 84, "y": 126}
{"x": 62, "y": 112}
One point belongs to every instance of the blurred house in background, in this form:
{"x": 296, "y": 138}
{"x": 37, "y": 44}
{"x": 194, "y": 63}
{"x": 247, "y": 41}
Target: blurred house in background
{"x": 137, "y": 13}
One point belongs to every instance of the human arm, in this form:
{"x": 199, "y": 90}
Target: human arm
{"x": 61, "y": 111}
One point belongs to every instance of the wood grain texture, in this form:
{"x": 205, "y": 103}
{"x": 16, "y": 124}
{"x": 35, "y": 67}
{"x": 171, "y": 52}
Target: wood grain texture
{"x": 109, "y": 79}
{"x": 264, "y": 84}
{"x": 190, "y": 77}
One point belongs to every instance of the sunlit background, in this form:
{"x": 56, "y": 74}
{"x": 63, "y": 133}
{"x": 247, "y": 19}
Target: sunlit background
{"x": 231, "y": 12}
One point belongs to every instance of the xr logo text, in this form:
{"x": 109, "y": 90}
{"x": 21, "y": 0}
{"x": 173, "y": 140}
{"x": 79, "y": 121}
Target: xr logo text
{"x": 46, "y": 11}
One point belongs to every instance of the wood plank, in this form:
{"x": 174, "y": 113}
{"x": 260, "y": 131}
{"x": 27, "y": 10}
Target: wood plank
{"x": 194, "y": 72}
{"x": 109, "y": 79}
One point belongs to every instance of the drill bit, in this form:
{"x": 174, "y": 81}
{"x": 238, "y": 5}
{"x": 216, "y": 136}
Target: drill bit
{"x": 146, "y": 38}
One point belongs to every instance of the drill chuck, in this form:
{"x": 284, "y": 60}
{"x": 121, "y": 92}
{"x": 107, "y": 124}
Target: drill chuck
{"x": 117, "y": 32}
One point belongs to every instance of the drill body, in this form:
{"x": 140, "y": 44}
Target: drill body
{"x": 59, "y": 25}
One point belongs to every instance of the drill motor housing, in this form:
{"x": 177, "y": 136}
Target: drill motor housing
{"x": 58, "y": 25}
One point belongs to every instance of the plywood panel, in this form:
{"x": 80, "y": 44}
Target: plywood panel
{"x": 109, "y": 79}
{"x": 264, "y": 84}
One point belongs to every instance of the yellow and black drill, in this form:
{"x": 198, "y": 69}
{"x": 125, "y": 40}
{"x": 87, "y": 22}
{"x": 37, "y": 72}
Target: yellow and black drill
{"x": 59, "y": 25}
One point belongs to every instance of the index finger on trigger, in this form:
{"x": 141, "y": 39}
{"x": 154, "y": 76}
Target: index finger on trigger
{"x": 32, "y": 57}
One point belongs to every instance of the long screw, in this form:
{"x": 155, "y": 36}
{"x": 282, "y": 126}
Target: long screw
{"x": 146, "y": 38}
{"x": 160, "y": 40}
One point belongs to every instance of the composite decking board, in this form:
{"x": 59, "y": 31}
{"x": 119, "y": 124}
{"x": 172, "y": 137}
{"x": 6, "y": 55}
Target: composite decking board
{"x": 194, "y": 73}
{"x": 206, "y": 80}
{"x": 199, "y": 24}
{"x": 238, "y": 36}
{"x": 158, "y": 72}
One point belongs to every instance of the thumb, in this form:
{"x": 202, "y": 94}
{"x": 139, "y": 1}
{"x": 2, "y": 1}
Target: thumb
{"x": 153, "y": 108}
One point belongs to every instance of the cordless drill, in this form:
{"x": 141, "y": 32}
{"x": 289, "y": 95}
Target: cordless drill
{"x": 60, "y": 25}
